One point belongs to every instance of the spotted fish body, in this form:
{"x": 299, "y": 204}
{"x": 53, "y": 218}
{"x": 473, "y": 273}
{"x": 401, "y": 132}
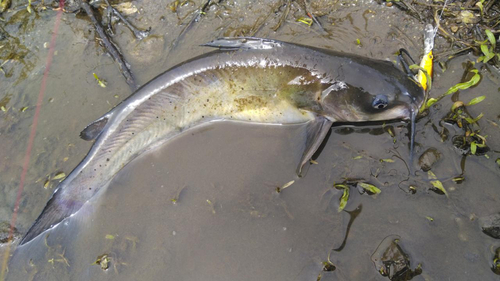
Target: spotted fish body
{"x": 251, "y": 79}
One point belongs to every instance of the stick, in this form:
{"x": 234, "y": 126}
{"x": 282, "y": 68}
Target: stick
{"x": 110, "y": 47}
{"x": 139, "y": 34}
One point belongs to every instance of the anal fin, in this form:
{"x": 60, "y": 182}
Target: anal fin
{"x": 316, "y": 132}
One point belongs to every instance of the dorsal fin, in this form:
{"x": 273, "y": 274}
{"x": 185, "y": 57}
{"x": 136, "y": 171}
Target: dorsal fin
{"x": 234, "y": 43}
{"x": 94, "y": 129}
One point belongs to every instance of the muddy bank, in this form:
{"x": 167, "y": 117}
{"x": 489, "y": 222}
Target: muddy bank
{"x": 451, "y": 244}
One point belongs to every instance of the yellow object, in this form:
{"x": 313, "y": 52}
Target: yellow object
{"x": 426, "y": 64}
{"x": 427, "y": 60}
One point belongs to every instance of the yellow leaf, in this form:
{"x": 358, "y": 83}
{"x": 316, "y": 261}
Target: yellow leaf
{"x": 436, "y": 183}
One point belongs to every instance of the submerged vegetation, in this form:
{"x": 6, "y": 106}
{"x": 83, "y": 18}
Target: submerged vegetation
{"x": 362, "y": 186}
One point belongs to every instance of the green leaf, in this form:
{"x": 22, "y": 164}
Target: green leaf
{"x": 498, "y": 162}
{"x": 471, "y": 121}
{"x": 388, "y": 160}
{"x": 488, "y": 57}
{"x": 478, "y": 117}
{"x": 485, "y": 50}
{"x": 59, "y": 176}
{"x": 101, "y": 83}
{"x": 430, "y": 102}
{"x": 476, "y": 100}
{"x": 473, "y": 147}
{"x": 491, "y": 37}
{"x": 465, "y": 85}
{"x": 340, "y": 186}
{"x": 369, "y": 187}
{"x": 343, "y": 199}
{"x": 436, "y": 183}
{"x": 29, "y": 6}
{"x": 109, "y": 236}
{"x": 480, "y": 5}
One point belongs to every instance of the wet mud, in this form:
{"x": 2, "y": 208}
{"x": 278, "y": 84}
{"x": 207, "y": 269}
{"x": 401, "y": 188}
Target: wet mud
{"x": 205, "y": 205}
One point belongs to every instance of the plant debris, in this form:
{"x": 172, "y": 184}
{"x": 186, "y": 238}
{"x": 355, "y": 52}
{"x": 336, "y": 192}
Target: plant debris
{"x": 391, "y": 261}
{"x": 369, "y": 187}
{"x": 466, "y": 25}
{"x": 437, "y": 184}
{"x": 104, "y": 261}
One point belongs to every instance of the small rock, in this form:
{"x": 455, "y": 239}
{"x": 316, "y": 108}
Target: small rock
{"x": 491, "y": 225}
{"x": 72, "y": 6}
{"x": 429, "y": 158}
{"x": 391, "y": 261}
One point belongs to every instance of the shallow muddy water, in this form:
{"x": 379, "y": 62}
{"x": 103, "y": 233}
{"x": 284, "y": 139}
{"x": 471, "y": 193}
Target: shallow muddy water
{"x": 228, "y": 221}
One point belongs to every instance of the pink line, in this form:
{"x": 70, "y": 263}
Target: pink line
{"x": 33, "y": 133}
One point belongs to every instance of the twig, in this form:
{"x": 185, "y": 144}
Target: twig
{"x": 195, "y": 18}
{"x": 450, "y": 36}
{"x": 488, "y": 6}
{"x": 283, "y": 15}
{"x": 110, "y": 47}
{"x": 408, "y": 8}
{"x": 303, "y": 5}
{"x": 449, "y": 53}
{"x": 139, "y": 34}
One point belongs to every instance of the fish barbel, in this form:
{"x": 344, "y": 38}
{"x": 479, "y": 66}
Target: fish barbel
{"x": 247, "y": 79}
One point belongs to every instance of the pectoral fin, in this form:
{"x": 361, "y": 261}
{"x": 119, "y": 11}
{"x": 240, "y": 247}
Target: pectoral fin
{"x": 316, "y": 132}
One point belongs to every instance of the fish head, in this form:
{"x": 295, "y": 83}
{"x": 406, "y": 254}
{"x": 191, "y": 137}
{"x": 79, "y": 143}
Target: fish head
{"x": 368, "y": 100}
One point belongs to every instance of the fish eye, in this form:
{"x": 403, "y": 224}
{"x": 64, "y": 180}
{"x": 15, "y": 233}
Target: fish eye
{"x": 380, "y": 102}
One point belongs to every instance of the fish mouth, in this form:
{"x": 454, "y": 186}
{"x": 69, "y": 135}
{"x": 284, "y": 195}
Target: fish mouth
{"x": 409, "y": 110}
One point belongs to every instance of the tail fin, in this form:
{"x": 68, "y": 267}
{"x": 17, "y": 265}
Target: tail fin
{"x": 54, "y": 212}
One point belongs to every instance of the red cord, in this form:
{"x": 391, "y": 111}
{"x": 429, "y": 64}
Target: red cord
{"x": 27, "y": 155}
